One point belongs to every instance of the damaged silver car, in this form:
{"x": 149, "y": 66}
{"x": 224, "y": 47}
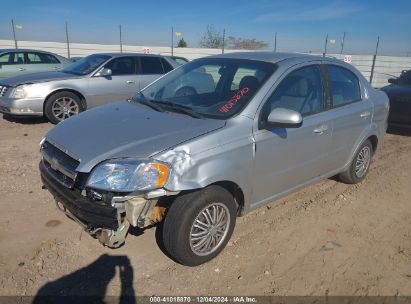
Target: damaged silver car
{"x": 211, "y": 141}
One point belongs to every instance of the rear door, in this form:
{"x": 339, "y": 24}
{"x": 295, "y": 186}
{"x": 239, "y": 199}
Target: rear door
{"x": 150, "y": 69}
{"x": 12, "y": 64}
{"x": 41, "y": 62}
{"x": 122, "y": 84}
{"x": 350, "y": 111}
{"x": 286, "y": 158}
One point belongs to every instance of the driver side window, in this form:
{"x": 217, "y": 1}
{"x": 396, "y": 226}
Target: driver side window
{"x": 301, "y": 91}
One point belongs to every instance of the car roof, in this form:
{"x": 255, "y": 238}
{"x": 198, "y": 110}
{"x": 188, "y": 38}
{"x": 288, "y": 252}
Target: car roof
{"x": 272, "y": 57}
{"x": 25, "y": 50}
{"x": 127, "y": 54}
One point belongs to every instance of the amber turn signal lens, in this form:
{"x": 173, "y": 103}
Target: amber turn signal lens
{"x": 163, "y": 172}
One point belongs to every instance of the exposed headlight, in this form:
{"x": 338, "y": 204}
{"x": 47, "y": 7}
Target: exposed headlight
{"x": 128, "y": 175}
{"x": 20, "y": 91}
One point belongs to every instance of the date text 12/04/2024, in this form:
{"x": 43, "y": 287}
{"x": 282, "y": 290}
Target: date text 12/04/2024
{"x": 202, "y": 299}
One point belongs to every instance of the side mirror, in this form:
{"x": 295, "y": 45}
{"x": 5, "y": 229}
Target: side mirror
{"x": 393, "y": 80}
{"x": 284, "y": 118}
{"x": 104, "y": 72}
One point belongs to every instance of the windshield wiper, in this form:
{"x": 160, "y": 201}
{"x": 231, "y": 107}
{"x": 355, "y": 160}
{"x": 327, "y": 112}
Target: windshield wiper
{"x": 180, "y": 108}
{"x": 152, "y": 104}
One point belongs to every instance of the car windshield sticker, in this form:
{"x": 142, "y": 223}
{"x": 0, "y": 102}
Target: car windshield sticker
{"x": 233, "y": 100}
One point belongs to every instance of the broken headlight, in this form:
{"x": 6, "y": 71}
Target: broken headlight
{"x": 128, "y": 175}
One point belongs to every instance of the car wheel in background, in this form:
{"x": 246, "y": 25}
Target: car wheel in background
{"x": 62, "y": 105}
{"x": 359, "y": 166}
{"x": 199, "y": 224}
{"x": 185, "y": 91}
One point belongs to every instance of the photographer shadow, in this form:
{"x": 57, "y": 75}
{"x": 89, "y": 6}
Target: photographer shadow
{"x": 89, "y": 284}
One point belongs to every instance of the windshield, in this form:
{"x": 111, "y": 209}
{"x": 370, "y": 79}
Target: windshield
{"x": 86, "y": 65}
{"x": 210, "y": 87}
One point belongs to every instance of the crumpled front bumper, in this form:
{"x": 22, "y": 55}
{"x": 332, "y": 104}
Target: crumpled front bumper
{"x": 91, "y": 214}
{"x": 107, "y": 222}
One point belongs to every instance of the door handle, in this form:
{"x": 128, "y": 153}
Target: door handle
{"x": 365, "y": 114}
{"x": 22, "y": 69}
{"x": 57, "y": 68}
{"x": 321, "y": 129}
{"x": 130, "y": 81}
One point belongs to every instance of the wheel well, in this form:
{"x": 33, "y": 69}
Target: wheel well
{"x": 374, "y": 142}
{"x": 79, "y": 95}
{"x": 235, "y": 191}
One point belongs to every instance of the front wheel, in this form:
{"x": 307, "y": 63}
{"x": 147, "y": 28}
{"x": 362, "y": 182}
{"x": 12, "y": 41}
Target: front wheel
{"x": 199, "y": 224}
{"x": 62, "y": 105}
{"x": 359, "y": 166}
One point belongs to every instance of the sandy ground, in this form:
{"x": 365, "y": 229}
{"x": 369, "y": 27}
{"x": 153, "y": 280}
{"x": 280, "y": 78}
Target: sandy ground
{"x": 328, "y": 239}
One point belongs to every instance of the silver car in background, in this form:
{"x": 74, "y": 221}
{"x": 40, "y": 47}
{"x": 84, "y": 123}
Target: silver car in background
{"x": 92, "y": 81}
{"x": 15, "y": 62}
{"x": 196, "y": 157}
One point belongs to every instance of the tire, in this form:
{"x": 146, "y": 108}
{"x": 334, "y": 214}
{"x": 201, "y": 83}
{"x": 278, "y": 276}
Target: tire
{"x": 68, "y": 103}
{"x": 185, "y": 91}
{"x": 179, "y": 225}
{"x": 362, "y": 161}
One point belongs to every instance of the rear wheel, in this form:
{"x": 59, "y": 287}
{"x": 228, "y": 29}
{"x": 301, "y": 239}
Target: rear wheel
{"x": 359, "y": 166}
{"x": 185, "y": 91}
{"x": 62, "y": 105}
{"x": 198, "y": 225}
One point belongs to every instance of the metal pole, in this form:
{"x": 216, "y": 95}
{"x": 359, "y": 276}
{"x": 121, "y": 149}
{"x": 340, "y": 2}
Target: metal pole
{"x": 275, "y": 42}
{"x": 68, "y": 43}
{"x": 14, "y": 34}
{"x": 374, "y": 59}
{"x": 121, "y": 42}
{"x": 172, "y": 41}
{"x": 325, "y": 46}
{"x": 378, "y": 43}
{"x": 342, "y": 43}
{"x": 222, "y": 50}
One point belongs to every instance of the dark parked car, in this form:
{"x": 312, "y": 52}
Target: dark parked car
{"x": 399, "y": 92}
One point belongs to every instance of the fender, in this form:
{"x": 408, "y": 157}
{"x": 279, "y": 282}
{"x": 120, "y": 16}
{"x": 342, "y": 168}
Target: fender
{"x": 370, "y": 130}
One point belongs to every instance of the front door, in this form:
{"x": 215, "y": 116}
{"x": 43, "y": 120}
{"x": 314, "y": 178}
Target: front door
{"x": 122, "y": 84}
{"x": 12, "y": 64}
{"x": 286, "y": 158}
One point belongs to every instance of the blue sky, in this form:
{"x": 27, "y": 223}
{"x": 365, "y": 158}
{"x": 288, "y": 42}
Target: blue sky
{"x": 301, "y": 25}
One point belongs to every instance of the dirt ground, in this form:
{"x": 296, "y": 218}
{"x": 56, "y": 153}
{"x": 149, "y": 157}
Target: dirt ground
{"x": 328, "y": 239}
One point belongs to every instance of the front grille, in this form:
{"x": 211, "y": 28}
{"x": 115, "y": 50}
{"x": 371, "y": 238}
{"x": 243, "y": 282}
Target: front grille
{"x": 60, "y": 165}
{"x": 3, "y": 90}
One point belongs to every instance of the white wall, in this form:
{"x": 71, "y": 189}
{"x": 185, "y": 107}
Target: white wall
{"x": 385, "y": 66}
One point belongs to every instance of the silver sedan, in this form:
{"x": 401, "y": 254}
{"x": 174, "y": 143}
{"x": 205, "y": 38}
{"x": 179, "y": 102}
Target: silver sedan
{"x": 94, "y": 80}
{"x": 197, "y": 157}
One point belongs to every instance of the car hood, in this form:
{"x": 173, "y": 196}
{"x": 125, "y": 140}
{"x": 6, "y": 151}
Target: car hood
{"x": 37, "y": 77}
{"x": 125, "y": 129}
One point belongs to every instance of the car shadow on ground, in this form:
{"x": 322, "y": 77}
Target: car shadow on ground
{"x": 399, "y": 130}
{"x": 158, "y": 235}
{"x": 89, "y": 284}
{"x": 25, "y": 120}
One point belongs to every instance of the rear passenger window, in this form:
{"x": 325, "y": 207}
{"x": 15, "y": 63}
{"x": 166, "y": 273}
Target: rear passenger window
{"x": 344, "y": 86}
{"x": 33, "y": 58}
{"x": 167, "y": 67}
{"x": 151, "y": 65}
{"x": 47, "y": 58}
{"x": 301, "y": 91}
